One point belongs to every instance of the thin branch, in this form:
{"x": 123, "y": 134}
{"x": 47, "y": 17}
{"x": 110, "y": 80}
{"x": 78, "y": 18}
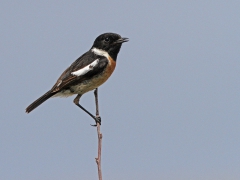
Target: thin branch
{"x": 98, "y": 159}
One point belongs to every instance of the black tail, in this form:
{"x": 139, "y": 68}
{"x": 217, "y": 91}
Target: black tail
{"x": 39, "y": 101}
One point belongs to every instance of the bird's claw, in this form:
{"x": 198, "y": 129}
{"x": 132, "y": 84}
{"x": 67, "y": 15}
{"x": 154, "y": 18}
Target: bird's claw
{"x": 98, "y": 120}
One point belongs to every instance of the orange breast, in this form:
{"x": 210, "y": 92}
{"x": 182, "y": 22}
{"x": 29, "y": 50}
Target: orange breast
{"x": 110, "y": 68}
{"x": 96, "y": 81}
{"x": 106, "y": 74}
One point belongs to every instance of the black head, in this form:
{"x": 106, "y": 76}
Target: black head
{"x": 109, "y": 42}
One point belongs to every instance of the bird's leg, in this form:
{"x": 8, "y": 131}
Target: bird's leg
{"x": 97, "y": 107}
{"x": 76, "y": 101}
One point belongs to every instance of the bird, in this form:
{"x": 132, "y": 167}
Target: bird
{"x": 86, "y": 73}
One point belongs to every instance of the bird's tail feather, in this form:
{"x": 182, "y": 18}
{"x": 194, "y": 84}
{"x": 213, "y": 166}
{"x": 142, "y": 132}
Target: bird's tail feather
{"x": 39, "y": 101}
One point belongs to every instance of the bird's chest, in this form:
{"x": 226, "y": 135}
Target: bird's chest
{"x": 95, "y": 81}
{"x": 89, "y": 84}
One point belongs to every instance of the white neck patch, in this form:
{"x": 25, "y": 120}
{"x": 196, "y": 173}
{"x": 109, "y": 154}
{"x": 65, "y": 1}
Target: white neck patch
{"x": 100, "y": 52}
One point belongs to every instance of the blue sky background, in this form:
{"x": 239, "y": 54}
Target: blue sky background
{"x": 170, "y": 110}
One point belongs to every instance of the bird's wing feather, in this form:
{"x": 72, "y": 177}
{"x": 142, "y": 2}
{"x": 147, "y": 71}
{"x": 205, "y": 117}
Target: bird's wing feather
{"x": 68, "y": 78}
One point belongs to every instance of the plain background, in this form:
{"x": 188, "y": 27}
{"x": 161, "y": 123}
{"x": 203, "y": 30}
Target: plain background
{"x": 170, "y": 111}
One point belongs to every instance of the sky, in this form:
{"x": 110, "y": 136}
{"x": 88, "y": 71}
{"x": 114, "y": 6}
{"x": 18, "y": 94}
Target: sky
{"x": 170, "y": 110}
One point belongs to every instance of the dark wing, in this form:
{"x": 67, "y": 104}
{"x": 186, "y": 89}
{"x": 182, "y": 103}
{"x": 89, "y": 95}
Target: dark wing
{"x": 67, "y": 79}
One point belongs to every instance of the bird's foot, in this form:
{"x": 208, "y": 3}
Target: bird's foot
{"x": 98, "y": 120}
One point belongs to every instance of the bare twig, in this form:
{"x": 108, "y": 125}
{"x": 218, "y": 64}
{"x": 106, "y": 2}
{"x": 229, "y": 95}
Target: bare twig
{"x": 98, "y": 159}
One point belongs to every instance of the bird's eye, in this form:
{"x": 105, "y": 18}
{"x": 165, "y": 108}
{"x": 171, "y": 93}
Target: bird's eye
{"x": 107, "y": 39}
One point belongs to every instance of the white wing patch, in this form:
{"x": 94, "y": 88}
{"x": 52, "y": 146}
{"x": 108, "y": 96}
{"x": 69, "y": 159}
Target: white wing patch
{"x": 86, "y": 69}
{"x": 60, "y": 82}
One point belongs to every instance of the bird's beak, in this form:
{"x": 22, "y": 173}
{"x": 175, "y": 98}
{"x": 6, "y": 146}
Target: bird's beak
{"x": 122, "y": 40}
